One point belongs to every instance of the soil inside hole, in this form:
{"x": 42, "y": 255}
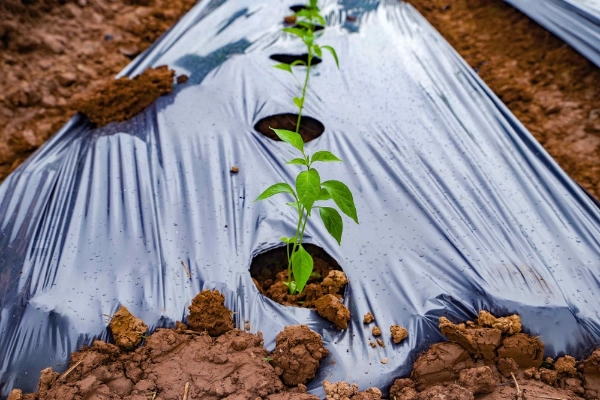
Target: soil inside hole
{"x": 269, "y": 273}
{"x": 310, "y": 128}
{"x": 290, "y": 58}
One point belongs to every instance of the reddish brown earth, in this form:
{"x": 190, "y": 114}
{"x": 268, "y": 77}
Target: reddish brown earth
{"x": 53, "y": 49}
{"x": 550, "y": 87}
{"x": 185, "y": 363}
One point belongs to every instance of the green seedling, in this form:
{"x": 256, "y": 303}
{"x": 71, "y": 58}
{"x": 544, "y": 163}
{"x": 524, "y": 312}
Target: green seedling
{"x": 309, "y": 189}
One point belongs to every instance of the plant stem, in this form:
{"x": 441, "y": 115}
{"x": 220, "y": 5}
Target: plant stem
{"x": 294, "y": 248}
{"x": 304, "y": 89}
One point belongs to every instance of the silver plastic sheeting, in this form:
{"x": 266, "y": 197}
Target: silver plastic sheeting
{"x": 577, "y": 22}
{"x": 460, "y": 209}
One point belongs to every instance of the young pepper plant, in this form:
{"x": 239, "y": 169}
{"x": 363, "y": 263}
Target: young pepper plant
{"x": 309, "y": 189}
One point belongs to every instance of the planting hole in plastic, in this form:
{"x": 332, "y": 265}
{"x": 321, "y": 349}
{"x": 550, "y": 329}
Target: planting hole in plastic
{"x": 290, "y": 58}
{"x": 310, "y": 128}
{"x": 266, "y": 266}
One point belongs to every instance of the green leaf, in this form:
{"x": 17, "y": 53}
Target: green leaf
{"x": 298, "y": 101}
{"x": 308, "y": 185}
{"x": 324, "y": 156}
{"x": 295, "y": 31}
{"x": 302, "y": 266}
{"x": 295, "y": 205}
{"x": 318, "y": 51}
{"x": 333, "y": 222}
{"x": 313, "y": 3}
{"x": 283, "y": 66}
{"x": 333, "y": 53}
{"x": 292, "y": 286}
{"x": 323, "y": 195}
{"x": 290, "y": 137}
{"x": 342, "y": 196}
{"x": 298, "y": 161}
{"x": 276, "y": 189}
{"x": 288, "y": 240}
{"x": 306, "y": 25}
{"x": 298, "y": 62}
{"x": 320, "y": 18}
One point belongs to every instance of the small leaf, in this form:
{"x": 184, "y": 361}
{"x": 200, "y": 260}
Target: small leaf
{"x": 302, "y": 266}
{"x": 308, "y": 185}
{"x": 320, "y": 18}
{"x": 298, "y": 62}
{"x": 324, "y": 156}
{"x": 333, "y": 222}
{"x": 295, "y": 31}
{"x": 323, "y": 195}
{"x": 333, "y": 53}
{"x": 290, "y": 137}
{"x": 318, "y": 51}
{"x": 306, "y": 25}
{"x": 298, "y": 161}
{"x": 292, "y": 286}
{"x": 276, "y": 189}
{"x": 286, "y": 239}
{"x": 283, "y": 66}
{"x": 298, "y": 101}
{"x": 295, "y": 205}
{"x": 342, "y": 196}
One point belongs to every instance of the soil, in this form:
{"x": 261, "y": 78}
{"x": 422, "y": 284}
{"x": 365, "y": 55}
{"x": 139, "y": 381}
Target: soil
{"x": 121, "y": 99}
{"x": 310, "y": 128}
{"x": 183, "y": 363}
{"x": 552, "y": 89}
{"x": 209, "y": 314}
{"x": 126, "y": 329}
{"x": 51, "y": 50}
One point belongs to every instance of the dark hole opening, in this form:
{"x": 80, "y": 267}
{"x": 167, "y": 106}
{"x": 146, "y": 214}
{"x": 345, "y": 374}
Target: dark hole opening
{"x": 297, "y": 7}
{"x": 310, "y": 128}
{"x": 269, "y": 272}
{"x": 290, "y": 58}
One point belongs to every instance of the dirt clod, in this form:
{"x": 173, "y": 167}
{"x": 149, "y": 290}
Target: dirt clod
{"x": 446, "y": 392}
{"x": 548, "y": 376}
{"x": 297, "y": 354}
{"x": 332, "y": 309}
{"x": 376, "y": 331}
{"x": 126, "y": 329}
{"x": 479, "y": 342}
{"x": 398, "y": 333}
{"x": 339, "y": 390}
{"x": 590, "y": 368}
{"x": 208, "y": 313}
{"x": 368, "y": 318}
{"x": 527, "y": 351}
{"x": 380, "y": 343}
{"x": 566, "y": 366}
{"x": 123, "y": 98}
{"x": 403, "y": 388}
{"x": 509, "y": 325}
{"x": 506, "y": 366}
{"x": 441, "y": 363}
{"x": 477, "y": 380}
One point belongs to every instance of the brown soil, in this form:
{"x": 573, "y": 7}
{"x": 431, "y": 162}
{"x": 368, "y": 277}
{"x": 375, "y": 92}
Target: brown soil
{"x": 209, "y": 314}
{"x": 269, "y": 272}
{"x": 121, "y": 99}
{"x": 53, "y": 49}
{"x": 310, "y": 128}
{"x": 183, "y": 363}
{"x": 552, "y": 89}
{"x": 298, "y": 354}
{"x": 127, "y": 330}
{"x": 323, "y": 291}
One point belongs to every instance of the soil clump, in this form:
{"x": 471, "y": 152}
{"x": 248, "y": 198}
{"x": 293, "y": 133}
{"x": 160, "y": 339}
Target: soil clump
{"x": 549, "y": 87}
{"x": 127, "y": 330}
{"x": 209, "y": 314}
{"x": 123, "y": 98}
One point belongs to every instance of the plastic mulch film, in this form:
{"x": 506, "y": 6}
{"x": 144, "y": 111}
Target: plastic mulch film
{"x": 577, "y": 22}
{"x": 460, "y": 209}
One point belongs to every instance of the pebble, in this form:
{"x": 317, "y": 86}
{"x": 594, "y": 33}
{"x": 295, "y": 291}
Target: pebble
{"x": 384, "y": 360}
{"x": 234, "y": 169}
